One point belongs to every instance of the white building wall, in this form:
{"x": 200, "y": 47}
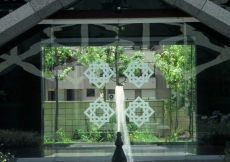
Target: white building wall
{"x": 150, "y": 84}
{"x": 148, "y": 94}
{"x": 61, "y": 95}
{"x": 74, "y": 80}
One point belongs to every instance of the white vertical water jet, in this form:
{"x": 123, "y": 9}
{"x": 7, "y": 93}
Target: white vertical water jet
{"x": 121, "y": 122}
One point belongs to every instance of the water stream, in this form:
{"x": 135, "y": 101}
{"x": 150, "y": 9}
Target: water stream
{"x": 121, "y": 122}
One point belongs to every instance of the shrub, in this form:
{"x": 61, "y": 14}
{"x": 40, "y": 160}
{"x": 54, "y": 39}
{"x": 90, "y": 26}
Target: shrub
{"x": 61, "y": 137}
{"x": 216, "y": 127}
{"x": 214, "y": 139}
{"x": 132, "y": 127}
{"x": 78, "y": 134}
{"x": 110, "y": 137}
{"x": 19, "y": 139}
{"x": 173, "y": 136}
{"x": 227, "y": 152}
{"x": 48, "y": 139}
{"x": 143, "y": 136}
{"x": 7, "y": 157}
{"x": 94, "y": 135}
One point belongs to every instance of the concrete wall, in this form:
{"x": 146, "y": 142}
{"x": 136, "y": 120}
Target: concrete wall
{"x": 27, "y": 16}
{"x": 207, "y": 12}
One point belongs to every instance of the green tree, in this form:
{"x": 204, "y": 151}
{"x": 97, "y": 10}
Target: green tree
{"x": 176, "y": 62}
{"x": 57, "y": 64}
{"x": 108, "y": 54}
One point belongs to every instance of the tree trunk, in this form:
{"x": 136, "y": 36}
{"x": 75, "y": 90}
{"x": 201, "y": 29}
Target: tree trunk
{"x": 170, "y": 110}
{"x": 190, "y": 113}
{"x": 190, "y": 122}
{"x": 176, "y": 120}
{"x": 56, "y": 114}
{"x": 104, "y": 93}
{"x": 116, "y": 65}
{"x": 192, "y": 125}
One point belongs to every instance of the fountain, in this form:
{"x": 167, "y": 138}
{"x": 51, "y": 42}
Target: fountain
{"x": 120, "y": 98}
{"x": 119, "y": 155}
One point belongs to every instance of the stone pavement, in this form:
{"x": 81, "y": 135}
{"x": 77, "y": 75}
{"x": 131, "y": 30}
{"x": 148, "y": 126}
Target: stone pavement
{"x": 141, "y": 153}
{"x": 210, "y": 158}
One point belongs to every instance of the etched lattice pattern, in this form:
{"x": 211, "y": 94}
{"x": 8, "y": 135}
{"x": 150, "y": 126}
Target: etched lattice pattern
{"x": 102, "y": 118}
{"x": 146, "y": 111}
{"x": 99, "y": 73}
{"x": 138, "y": 64}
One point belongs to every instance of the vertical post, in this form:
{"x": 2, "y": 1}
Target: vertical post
{"x": 84, "y": 35}
{"x": 146, "y": 36}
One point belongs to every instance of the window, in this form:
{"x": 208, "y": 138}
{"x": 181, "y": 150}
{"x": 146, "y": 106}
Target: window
{"x": 129, "y": 94}
{"x": 111, "y": 91}
{"x": 90, "y": 92}
{"x": 51, "y": 95}
{"x": 70, "y": 94}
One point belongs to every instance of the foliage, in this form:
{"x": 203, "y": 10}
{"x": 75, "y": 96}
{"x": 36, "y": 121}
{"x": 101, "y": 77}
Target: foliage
{"x": 214, "y": 138}
{"x": 217, "y": 122}
{"x": 94, "y": 135}
{"x": 48, "y": 140}
{"x": 107, "y": 54}
{"x": 171, "y": 63}
{"x": 227, "y": 152}
{"x": 132, "y": 127}
{"x": 78, "y": 133}
{"x": 61, "y": 138}
{"x": 8, "y": 157}
{"x": 216, "y": 128}
{"x": 57, "y": 58}
{"x": 110, "y": 137}
{"x": 173, "y": 136}
{"x": 19, "y": 139}
{"x": 56, "y": 62}
{"x": 177, "y": 63}
{"x": 143, "y": 136}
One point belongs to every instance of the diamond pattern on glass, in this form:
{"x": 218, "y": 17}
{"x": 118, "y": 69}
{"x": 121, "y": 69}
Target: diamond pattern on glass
{"x": 99, "y": 112}
{"x": 99, "y": 73}
{"x": 145, "y": 111}
{"x": 143, "y": 67}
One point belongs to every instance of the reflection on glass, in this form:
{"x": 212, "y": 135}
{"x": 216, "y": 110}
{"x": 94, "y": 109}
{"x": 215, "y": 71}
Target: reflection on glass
{"x": 176, "y": 66}
{"x": 188, "y": 90}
